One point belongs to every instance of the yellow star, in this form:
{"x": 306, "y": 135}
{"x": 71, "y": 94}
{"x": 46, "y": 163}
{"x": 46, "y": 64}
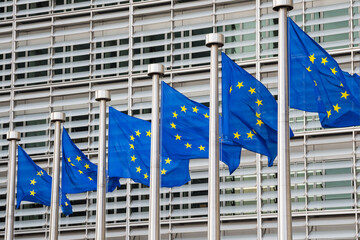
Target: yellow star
{"x": 81, "y": 172}
{"x": 131, "y": 146}
{"x": 87, "y": 166}
{"x": 259, "y": 122}
{"x": 237, "y": 135}
{"x": 146, "y": 176}
{"x": 329, "y": 113}
{"x": 206, "y": 115}
{"x": 173, "y": 125}
{"x": 344, "y": 95}
{"x": 259, "y": 102}
{"x": 308, "y": 68}
{"x": 32, "y": 193}
{"x": 315, "y": 83}
{"x": 138, "y": 133}
{"x": 66, "y": 204}
{"x": 40, "y": 173}
{"x": 133, "y": 158}
{"x": 336, "y": 107}
{"x": 177, "y": 137}
{"x": 32, "y": 182}
{"x": 183, "y": 109}
{"x": 312, "y": 58}
{"x": 148, "y": 133}
{"x": 254, "y": 131}
{"x": 250, "y": 135}
{"x": 230, "y": 89}
{"x": 78, "y": 158}
{"x": 188, "y": 145}
{"x": 240, "y": 84}
{"x": 138, "y": 169}
{"x": 175, "y": 114}
{"x": 324, "y": 61}
{"x": 163, "y": 171}
{"x": 167, "y": 161}
{"x": 69, "y": 160}
{"x": 258, "y": 115}
{"x": 132, "y": 138}
{"x": 195, "y": 109}
{"x": 252, "y": 90}
{"x": 72, "y": 164}
{"x": 201, "y": 148}
{"x": 341, "y": 85}
{"x": 333, "y": 71}
{"x": 90, "y": 179}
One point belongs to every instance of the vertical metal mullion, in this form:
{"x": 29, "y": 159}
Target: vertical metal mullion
{"x": 91, "y": 43}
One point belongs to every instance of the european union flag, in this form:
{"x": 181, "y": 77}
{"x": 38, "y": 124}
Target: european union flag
{"x": 249, "y": 111}
{"x": 185, "y": 129}
{"x": 78, "y": 173}
{"x": 317, "y": 83}
{"x": 129, "y": 153}
{"x": 34, "y": 184}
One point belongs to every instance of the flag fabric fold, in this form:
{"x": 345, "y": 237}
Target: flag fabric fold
{"x": 34, "y": 184}
{"x": 79, "y": 174}
{"x": 185, "y": 129}
{"x": 317, "y": 83}
{"x": 249, "y": 111}
{"x": 129, "y": 153}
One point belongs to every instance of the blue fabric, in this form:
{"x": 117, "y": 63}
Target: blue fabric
{"x": 78, "y": 173}
{"x": 249, "y": 111}
{"x": 129, "y": 153}
{"x": 185, "y": 129}
{"x": 34, "y": 184}
{"x": 317, "y": 83}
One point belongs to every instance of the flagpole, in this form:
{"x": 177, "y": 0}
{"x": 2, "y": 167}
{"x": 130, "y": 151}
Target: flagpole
{"x": 284, "y": 190}
{"x": 12, "y": 137}
{"x": 155, "y": 70}
{"x": 57, "y": 118}
{"x": 214, "y": 41}
{"x": 101, "y": 96}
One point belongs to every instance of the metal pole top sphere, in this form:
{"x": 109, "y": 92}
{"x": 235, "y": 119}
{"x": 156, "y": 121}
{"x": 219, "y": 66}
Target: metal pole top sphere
{"x": 155, "y": 69}
{"x": 277, "y": 4}
{"x": 102, "y": 95}
{"x": 214, "y": 38}
{"x": 57, "y": 116}
{"x": 13, "y": 135}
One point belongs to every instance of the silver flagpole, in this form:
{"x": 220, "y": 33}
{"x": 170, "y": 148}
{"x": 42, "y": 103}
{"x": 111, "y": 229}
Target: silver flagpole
{"x": 102, "y": 96}
{"x": 12, "y": 137}
{"x": 214, "y": 41}
{"x": 284, "y": 190}
{"x": 57, "y": 118}
{"x": 155, "y": 70}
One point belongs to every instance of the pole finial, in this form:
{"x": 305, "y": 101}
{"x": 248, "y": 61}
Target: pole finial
{"x": 13, "y": 135}
{"x": 214, "y": 38}
{"x": 102, "y": 95}
{"x": 277, "y": 4}
{"x": 57, "y": 116}
{"x": 155, "y": 69}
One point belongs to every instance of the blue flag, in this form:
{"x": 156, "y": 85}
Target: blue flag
{"x": 249, "y": 111}
{"x": 78, "y": 173}
{"x": 34, "y": 184}
{"x": 129, "y": 153}
{"x": 185, "y": 129}
{"x": 317, "y": 83}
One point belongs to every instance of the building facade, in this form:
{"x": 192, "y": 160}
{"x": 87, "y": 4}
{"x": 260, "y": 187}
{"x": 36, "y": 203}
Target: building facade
{"x": 54, "y": 54}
